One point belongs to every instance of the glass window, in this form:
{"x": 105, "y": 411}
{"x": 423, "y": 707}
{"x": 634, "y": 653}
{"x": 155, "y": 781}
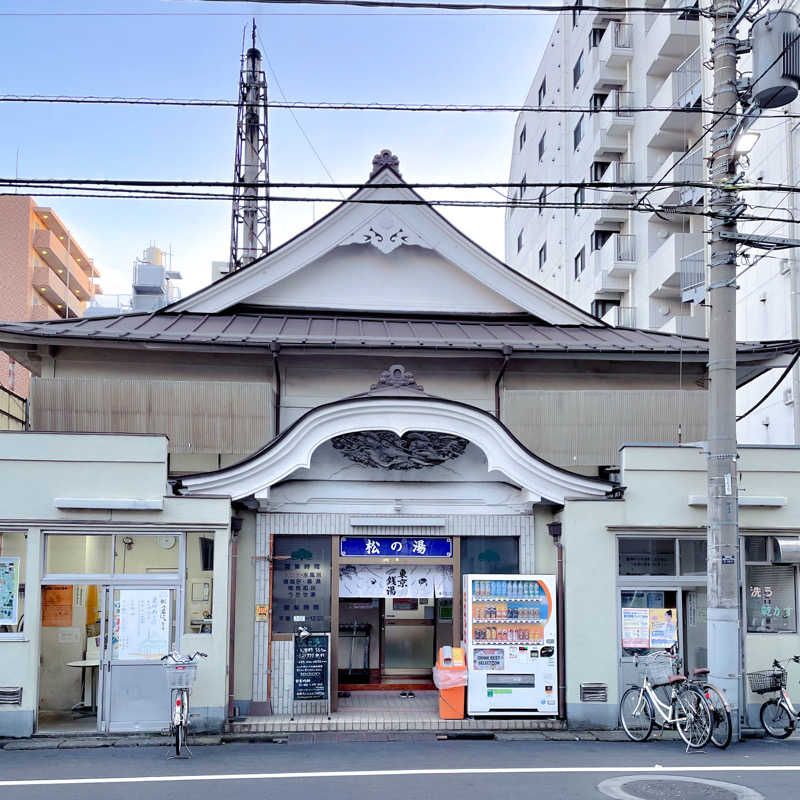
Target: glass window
{"x": 490, "y": 554}
{"x": 542, "y": 255}
{"x": 579, "y": 198}
{"x": 77, "y": 554}
{"x": 138, "y": 554}
{"x": 523, "y": 185}
{"x": 576, "y": 12}
{"x": 652, "y": 556}
{"x": 771, "y": 599}
{"x": 650, "y": 599}
{"x": 542, "y": 200}
{"x": 542, "y": 90}
{"x": 523, "y": 135}
{"x": 693, "y": 556}
{"x": 577, "y": 133}
{"x": 755, "y": 548}
{"x": 520, "y": 241}
{"x": 577, "y": 70}
{"x": 580, "y": 261}
{"x": 199, "y": 582}
{"x": 542, "y": 145}
{"x": 301, "y": 583}
{"x": 12, "y": 581}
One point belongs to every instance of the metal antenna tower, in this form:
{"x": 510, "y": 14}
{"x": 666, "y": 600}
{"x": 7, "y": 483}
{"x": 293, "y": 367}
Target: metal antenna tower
{"x": 250, "y": 235}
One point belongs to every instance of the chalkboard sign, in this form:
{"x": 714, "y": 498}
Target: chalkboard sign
{"x": 311, "y": 671}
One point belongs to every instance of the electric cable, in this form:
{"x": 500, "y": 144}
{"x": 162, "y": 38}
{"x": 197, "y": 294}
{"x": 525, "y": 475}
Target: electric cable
{"x": 772, "y": 389}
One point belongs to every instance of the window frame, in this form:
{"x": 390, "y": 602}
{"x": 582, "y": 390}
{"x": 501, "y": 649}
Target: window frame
{"x": 542, "y": 91}
{"x": 523, "y": 136}
{"x": 577, "y": 70}
{"x": 578, "y": 199}
{"x": 542, "y": 145}
{"x": 577, "y": 133}
{"x": 520, "y": 240}
{"x": 542, "y": 256}
{"x": 542, "y": 199}
{"x": 768, "y": 562}
{"x": 580, "y": 257}
{"x": 22, "y": 592}
{"x": 576, "y": 12}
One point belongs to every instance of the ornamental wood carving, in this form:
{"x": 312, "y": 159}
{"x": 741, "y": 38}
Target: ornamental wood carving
{"x": 387, "y": 450}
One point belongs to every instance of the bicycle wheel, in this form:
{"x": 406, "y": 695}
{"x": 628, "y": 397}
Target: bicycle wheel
{"x": 693, "y": 717}
{"x": 179, "y": 738}
{"x": 776, "y": 720}
{"x": 636, "y": 714}
{"x": 721, "y": 725}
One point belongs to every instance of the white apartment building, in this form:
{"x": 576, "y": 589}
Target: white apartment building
{"x": 640, "y": 268}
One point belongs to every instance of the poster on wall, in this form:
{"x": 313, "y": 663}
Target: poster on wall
{"x": 56, "y": 606}
{"x": 142, "y": 624}
{"x": 635, "y": 627}
{"x": 359, "y": 580}
{"x": 9, "y": 590}
{"x": 663, "y": 627}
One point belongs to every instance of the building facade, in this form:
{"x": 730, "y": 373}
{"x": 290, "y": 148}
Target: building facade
{"x": 44, "y": 274}
{"x": 379, "y": 380}
{"x": 639, "y": 268}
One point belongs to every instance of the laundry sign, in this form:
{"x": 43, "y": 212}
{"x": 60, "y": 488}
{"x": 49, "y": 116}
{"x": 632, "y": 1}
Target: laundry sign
{"x": 359, "y": 580}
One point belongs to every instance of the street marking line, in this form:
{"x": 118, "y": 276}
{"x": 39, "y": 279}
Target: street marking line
{"x": 377, "y": 773}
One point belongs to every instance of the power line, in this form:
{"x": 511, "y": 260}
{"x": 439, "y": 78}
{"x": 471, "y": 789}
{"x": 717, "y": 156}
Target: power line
{"x": 111, "y": 184}
{"x": 424, "y": 4}
{"x": 325, "y": 105}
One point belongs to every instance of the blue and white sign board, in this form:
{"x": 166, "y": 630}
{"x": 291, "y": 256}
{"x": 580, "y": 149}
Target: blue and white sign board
{"x": 388, "y": 546}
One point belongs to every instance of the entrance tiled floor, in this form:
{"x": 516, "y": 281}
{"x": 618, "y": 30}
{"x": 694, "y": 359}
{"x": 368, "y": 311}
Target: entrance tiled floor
{"x": 386, "y": 711}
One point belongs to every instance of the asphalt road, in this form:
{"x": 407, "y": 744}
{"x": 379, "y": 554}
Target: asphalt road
{"x": 397, "y": 771}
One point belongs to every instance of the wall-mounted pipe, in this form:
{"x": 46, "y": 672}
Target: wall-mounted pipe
{"x": 236, "y": 527}
{"x": 554, "y": 529}
{"x": 275, "y": 348}
{"x": 507, "y": 351}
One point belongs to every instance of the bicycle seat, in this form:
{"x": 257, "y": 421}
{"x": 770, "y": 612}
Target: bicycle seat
{"x": 676, "y": 678}
{"x": 701, "y": 671}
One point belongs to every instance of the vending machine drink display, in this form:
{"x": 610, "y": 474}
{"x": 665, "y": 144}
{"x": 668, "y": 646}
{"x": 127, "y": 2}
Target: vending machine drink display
{"x": 511, "y": 642}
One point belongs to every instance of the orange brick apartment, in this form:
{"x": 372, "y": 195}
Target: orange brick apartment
{"x": 44, "y": 274}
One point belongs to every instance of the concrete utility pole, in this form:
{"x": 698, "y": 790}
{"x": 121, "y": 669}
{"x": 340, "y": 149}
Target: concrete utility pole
{"x": 723, "y": 506}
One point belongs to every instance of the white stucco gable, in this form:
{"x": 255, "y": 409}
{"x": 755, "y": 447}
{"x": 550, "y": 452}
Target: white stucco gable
{"x": 384, "y": 251}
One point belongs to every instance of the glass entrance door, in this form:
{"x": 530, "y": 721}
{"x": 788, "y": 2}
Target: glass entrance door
{"x": 409, "y": 636}
{"x": 139, "y": 626}
{"x": 695, "y": 644}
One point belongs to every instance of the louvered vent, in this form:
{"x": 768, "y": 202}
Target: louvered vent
{"x": 10, "y": 695}
{"x": 594, "y": 693}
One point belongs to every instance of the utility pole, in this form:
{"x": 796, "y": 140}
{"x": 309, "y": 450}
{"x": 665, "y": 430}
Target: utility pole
{"x": 723, "y": 504}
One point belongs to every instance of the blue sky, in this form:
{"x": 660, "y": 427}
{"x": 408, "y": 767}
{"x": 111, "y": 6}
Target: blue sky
{"x": 192, "y": 49}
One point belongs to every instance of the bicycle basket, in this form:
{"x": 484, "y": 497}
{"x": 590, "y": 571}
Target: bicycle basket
{"x": 656, "y": 668}
{"x": 767, "y": 680}
{"x": 180, "y": 675}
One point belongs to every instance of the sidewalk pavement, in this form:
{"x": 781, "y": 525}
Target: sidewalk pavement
{"x": 202, "y": 740}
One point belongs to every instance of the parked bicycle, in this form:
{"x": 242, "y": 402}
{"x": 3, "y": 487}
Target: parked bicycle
{"x": 777, "y": 714}
{"x": 181, "y": 672}
{"x": 687, "y": 710}
{"x": 718, "y": 706}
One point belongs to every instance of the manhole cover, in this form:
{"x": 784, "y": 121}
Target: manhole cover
{"x": 671, "y": 787}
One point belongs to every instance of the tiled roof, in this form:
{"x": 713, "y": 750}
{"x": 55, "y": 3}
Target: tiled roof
{"x": 321, "y": 330}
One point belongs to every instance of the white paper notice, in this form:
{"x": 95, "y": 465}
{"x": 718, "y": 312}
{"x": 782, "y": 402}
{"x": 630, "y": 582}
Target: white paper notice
{"x": 143, "y": 624}
{"x": 635, "y": 627}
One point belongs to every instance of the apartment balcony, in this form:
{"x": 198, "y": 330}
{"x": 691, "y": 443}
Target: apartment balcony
{"x": 617, "y": 257}
{"x": 43, "y": 312}
{"x": 679, "y": 167}
{"x": 49, "y": 248}
{"x": 693, "y": 277}
{"x": 620, "y": 172}
{"x": 54, "y": 224}
{"x": 611, "y": 123}
{"x": 611, "y": 56}
{"x": 50, "y": 288}
{"x": 664, "y": 265}
{"x": 603, "y": 284}
{"x": 682, "y": 88}
{"x": 620, "y": 317}
{"x": 672, "y": 37}
{"x": 598, "y": 19}
{"x": 682, "y": 325}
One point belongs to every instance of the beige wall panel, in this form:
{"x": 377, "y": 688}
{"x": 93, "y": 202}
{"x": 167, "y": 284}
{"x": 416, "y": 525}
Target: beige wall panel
{"x": 572, "y": 428}
{"x": 197, "y": 416}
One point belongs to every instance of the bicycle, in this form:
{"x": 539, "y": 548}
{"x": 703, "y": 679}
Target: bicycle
{"x": 718, "y": 705}
{"x": 777, "y": 715}
{"x": 687, "y": 709}
{"x": 181, "y": 672}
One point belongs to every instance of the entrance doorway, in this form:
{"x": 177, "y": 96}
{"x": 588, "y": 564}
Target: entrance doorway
{"x": 391, "y": 643}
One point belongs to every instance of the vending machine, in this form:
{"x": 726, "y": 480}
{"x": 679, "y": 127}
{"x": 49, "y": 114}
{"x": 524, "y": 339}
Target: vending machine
{"x": 510, "y": 635}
